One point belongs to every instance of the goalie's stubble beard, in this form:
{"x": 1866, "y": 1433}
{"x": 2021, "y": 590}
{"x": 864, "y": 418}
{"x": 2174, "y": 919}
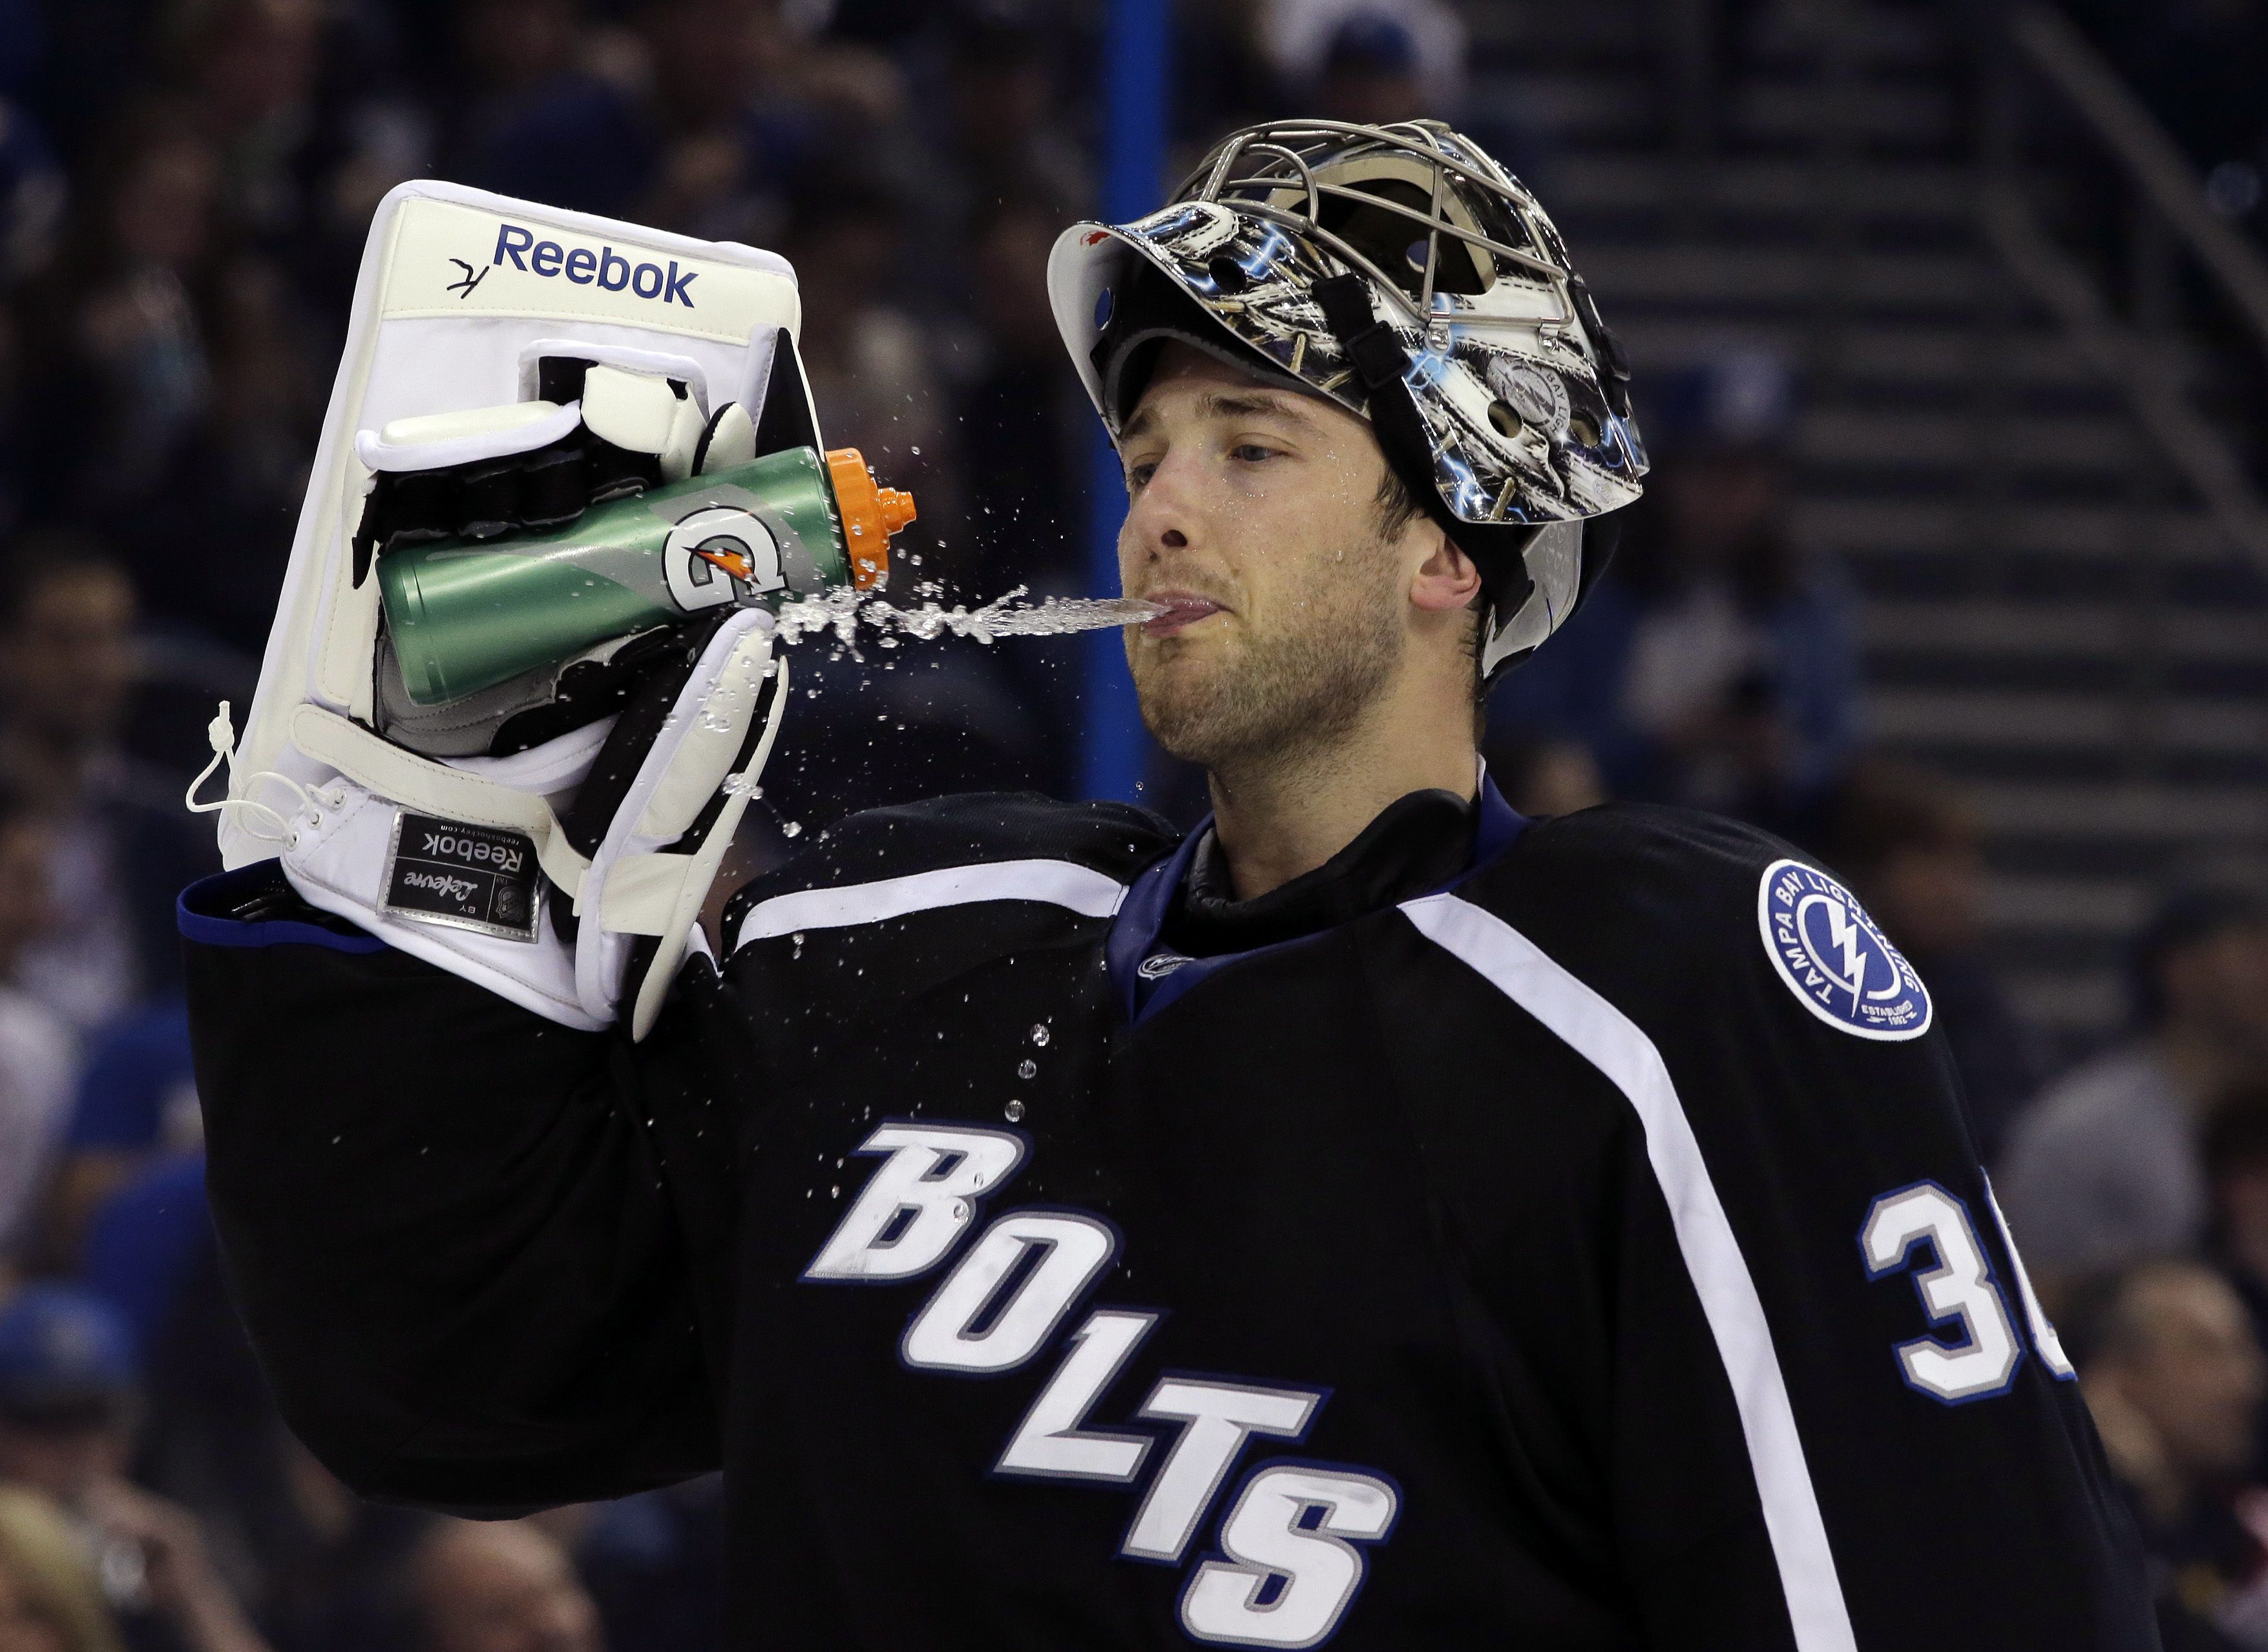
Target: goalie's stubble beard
{"x": 1277, "y": 695}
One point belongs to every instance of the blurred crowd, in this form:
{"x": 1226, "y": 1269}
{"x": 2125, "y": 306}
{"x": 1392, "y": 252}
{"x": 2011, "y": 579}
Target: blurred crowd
{"x": 184, "y": 187}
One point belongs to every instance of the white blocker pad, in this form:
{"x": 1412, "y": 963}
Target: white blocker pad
{"x": 461, "y": 293}
{"x": 461, "y": 296}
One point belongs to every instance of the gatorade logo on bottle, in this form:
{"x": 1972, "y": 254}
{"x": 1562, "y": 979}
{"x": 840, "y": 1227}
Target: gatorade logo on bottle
{"x": 606, "y": 269}
{"x": 718, "y": 555}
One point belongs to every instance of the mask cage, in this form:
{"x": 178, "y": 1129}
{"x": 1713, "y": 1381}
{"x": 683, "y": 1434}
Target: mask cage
{"x": 1347, "y": 188}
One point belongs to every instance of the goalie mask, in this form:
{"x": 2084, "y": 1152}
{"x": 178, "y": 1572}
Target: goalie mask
{"x": 1402, "y": 273}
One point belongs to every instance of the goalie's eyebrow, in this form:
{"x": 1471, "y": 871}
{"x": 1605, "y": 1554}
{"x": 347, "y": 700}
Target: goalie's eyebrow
{"x": 1230, "y": 404}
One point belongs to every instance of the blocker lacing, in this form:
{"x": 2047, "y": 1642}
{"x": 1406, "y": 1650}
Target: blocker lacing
{"x": 220, "y": 733}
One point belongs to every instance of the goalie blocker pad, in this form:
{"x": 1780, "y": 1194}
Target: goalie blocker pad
{"x": 502, "y": 359}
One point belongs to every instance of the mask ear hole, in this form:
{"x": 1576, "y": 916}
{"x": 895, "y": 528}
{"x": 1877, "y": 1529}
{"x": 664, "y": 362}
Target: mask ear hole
{"x": 1504, "y": 419}
{"x": 1582, "y": 429}
{"x": 1227, "y": 274}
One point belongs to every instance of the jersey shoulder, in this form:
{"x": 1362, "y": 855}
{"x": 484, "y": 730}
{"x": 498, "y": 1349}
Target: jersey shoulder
{"x": 1664, "y": 895}
{"x": 1655, "y": 874}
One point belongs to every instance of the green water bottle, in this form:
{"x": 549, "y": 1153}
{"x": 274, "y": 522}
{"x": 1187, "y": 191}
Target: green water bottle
{"x": 467, "y": 615}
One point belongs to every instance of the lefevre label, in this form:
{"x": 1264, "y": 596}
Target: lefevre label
{"x": 448, "y": 259}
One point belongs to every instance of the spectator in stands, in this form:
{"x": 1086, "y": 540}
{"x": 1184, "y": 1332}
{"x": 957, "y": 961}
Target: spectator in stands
{"x": 37, "y": 1053}
{"x": 247, "y": 70}
{"x": 2236, "y": 1158}
{"x": 68, "y": 1404}
{"x": 136, "y": 1106}
{"x": 1910, "y": 848}
{"x": 1007, "y": 137}
{"x": 500, "y": 1586}
{"x": 123, "y": 845}
{"x": 735, "y": 137}
{"x": 1370, "y": 73}
{"x": 681, "y": 120}
{"x": 1224, "y": 78}
{"x": 232, "y": 488}
{"x": 534, "y": 118}
{"x": 2175, "y": 1380}
{"x": 2103, "y": 1168}
{"x": 655, "y": 1565}
{"x": 1410, "y": 52}
{"x": 332, "y": 1576}
{"x": 171, "y": 377}
{"x": 1541, "y": 778}
{"x": 872, "y": 366}
{"x": 1027, "y": 459}
{"x": 1714, "y": 666}
{"x": 32, "y": 195}
{"x": 118, "y": 352}
{"x": 49, "y": 1600}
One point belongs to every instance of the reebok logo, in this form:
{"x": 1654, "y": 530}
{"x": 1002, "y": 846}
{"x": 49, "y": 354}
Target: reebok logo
{"x": 503, "y": 853}
{"x": 464, "y": 875}
{"x": 606, "y": 269}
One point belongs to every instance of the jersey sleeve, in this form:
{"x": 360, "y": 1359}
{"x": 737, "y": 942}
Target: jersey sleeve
{"x": 465, "y": 1240}
{"x": 1840, "y": 1419}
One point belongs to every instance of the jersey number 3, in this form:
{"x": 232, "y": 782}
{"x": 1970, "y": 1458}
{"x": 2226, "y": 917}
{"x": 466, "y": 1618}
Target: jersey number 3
{"x": 1959, "y": 1294}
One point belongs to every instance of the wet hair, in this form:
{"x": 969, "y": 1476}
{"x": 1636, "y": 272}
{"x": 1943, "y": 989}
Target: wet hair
{"x": 1394, "y": 507}
{"x": 1398, "y": 507}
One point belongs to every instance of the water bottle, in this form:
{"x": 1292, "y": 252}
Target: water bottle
{"x": 467, "y": 615}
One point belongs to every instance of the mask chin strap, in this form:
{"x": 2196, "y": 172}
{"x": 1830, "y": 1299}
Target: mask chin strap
{"x": 1374, "y": 352}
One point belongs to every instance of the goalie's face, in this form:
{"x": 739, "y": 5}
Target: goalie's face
{"x": 1295, "y": 604}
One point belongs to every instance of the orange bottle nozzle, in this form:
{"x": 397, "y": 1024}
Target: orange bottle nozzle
{"x": 871, "y": 515}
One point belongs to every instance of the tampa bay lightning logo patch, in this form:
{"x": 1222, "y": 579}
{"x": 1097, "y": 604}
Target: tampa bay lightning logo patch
{"x": 1834, "y": 959}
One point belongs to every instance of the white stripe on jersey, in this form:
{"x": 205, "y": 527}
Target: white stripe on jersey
{"x": 1067, "y": 884}
{"x": 1607, "y": 1038}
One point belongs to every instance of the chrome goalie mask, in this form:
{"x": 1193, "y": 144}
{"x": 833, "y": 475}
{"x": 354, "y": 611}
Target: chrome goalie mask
{"x": 1401, "y": 272}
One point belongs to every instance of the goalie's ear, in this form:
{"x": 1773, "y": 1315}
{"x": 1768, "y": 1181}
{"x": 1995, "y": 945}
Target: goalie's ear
{"x": 788, "y": 419}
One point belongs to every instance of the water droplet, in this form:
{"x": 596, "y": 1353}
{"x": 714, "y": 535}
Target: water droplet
{"x": 1040, "y": 1035}
{"x": 1014, "y": 1111}
{"x": 789, "y": 828}
{"x": 1027, "y": 1068}
{"x": 962, "y": 1211}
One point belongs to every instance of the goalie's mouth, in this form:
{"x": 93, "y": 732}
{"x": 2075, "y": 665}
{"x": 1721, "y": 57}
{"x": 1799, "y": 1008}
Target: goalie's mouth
{"x": 1182, "y": 609}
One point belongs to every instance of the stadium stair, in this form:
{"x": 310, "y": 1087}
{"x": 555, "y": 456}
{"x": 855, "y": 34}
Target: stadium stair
{"x": 2048, "y": 618}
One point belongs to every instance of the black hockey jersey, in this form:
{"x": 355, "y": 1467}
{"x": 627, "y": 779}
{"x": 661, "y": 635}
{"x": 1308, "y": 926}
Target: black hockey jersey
{"x": 1582, "y": 1249}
